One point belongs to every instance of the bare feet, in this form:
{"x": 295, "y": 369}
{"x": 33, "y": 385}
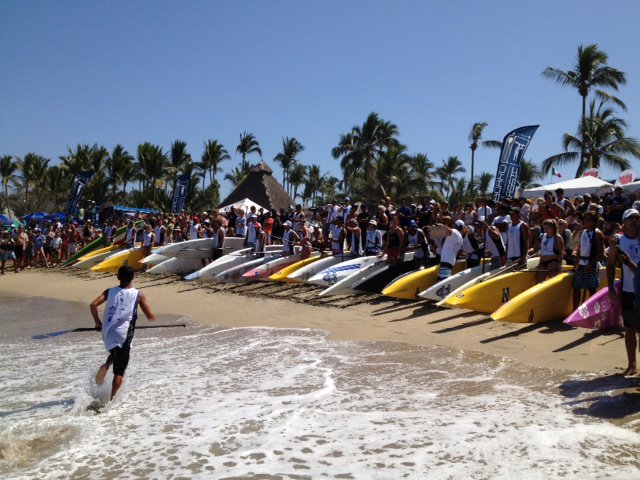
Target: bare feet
{"x": 630, "y": 371}
{"x": 102, "y": 372}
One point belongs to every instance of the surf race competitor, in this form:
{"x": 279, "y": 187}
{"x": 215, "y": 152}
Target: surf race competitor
{"x": 625, "y": 249}
{"x": 119, "y": 324}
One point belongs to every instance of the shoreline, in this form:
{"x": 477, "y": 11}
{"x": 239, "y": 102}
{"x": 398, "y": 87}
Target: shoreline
{"x": 346, "y": 318}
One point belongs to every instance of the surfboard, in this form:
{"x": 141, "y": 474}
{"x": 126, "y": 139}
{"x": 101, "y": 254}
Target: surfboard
{"x": 283, "y": 275}
{"x": 131, "y": 257}
{"x": 176, "y": 266}
{"x": 408, "y": 286}
{"x": 332, "y": 275}
{"x": 544, "y": 302}
{"x": 598, "y": 312}
{"x": 264, "y": 271}
{"x": 308, "y": 271}
{"x": 90, "y": 261}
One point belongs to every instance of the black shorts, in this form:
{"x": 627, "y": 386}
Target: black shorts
{"x": 629, "y": 316}
{"x": 120, "y": 358}
{"x": 19, "y": 251}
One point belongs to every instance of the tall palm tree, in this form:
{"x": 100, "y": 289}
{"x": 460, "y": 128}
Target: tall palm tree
{"x": 178, "y": 156}
{"x": 590, "y": 71}
{"x": 447, "y": 172}
{"x": 291, "y": 147}
{"x": 8, "y": 169}
{"x": 32, "y": 170}
{"x": 120, "y": 168}
{"x": 601, "y": 138}
{"x": 421, "y": 177}
{"x": 360, "y": 148}
{"x": 474, "y": 137}
{"x": 248, "y": 144}
{"x": 98, "y": 156}
{"x": 151, "y": 166}
{"x": 297, "y": 176}
{"x": 214, "y": 153}
{"x": 57, "y": 186}
{"x": 312, "y": 184}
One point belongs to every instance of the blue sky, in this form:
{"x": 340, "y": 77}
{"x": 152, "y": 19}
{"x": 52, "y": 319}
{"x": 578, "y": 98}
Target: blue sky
{"x": 129, "y": 72}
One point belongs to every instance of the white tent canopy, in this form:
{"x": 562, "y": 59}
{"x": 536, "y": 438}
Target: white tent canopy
{"x": 572, "y": 188}
{"x": 244, "y": 204}
{"x": 632, "y": 187}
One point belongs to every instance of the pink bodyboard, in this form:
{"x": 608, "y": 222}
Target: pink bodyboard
{"x": 597, "y": 312}
{"x": 264, "y": 272}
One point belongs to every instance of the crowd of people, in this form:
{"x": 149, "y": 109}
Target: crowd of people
{"x": 586, "y": 232}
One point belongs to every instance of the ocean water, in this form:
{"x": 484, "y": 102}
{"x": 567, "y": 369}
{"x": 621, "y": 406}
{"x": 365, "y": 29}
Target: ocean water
{"x": 205, "y": 402}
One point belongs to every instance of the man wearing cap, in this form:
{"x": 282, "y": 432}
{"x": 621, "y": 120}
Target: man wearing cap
{"x": 415, "y": 239}
{"x": 289, "y": 239}
{"x": 373, "y": 239}
{"x": 517, "y": 239}
{"x": 625, "y": 249}
{"x": 451, "y": 246}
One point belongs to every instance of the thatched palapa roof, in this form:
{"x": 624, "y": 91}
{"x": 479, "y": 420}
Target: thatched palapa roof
{"x": 262, "y": 188}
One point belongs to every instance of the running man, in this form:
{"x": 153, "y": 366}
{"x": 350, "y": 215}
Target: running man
{"x": 118, "y": 326}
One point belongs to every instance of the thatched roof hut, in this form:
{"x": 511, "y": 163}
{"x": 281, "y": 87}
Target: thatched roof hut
{"x": 262, "y": 188}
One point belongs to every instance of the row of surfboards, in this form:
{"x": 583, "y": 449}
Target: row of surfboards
{"x": 506, "y": 295}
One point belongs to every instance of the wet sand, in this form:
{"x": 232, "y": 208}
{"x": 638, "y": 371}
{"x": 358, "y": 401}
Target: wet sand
{"x": 355, "y": 317}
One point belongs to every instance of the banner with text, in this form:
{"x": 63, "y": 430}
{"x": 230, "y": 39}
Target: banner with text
{"x": 78, "y": 184}
{"x": 514, "y": 145}
{"x": 180, "y": 194}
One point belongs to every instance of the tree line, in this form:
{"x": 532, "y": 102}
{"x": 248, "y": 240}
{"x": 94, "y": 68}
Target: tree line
{"x": 372, "y": 160}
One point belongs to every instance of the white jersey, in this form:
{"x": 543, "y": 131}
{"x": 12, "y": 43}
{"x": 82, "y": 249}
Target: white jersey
{"x": 630, "y": 246}
{"x": 450, "y": 247}
{"x": 586, "y": 240}
{"x": 493, "y": 247}
{"x": 415, "y": 241}
{"x": 373, "y": 241}
{"x": 147, "y": 239}
{"x": 287, "y": 246}
{"x": 514, "y": 246}
{"x": 548, "y": 246}
{"x": 193, "y": 230}
{"x": 119, "y": 314}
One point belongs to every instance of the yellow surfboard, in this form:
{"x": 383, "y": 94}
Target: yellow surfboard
{"x": 488, "y": 296}
{"x": 408, "y": 286}
{"x": 110, "y": 248}
{"x": 129, "y": 257}
{"x": 544, "y": 302}
{"x": 283, "y": 275}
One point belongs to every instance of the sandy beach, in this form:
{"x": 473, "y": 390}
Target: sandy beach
{"x": 358, "y": 317}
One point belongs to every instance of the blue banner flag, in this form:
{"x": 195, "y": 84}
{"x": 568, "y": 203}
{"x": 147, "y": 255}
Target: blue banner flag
{"x": 180, "y": 194}
{"x": 514, "y": 145}
{"x": 78, "y": 184}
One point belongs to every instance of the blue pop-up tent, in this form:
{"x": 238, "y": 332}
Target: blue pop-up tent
{"x": 35, "y": 217}
{"x": 56, "y": 217}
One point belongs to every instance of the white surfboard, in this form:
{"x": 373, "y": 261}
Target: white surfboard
{"x": 332, "y": 275}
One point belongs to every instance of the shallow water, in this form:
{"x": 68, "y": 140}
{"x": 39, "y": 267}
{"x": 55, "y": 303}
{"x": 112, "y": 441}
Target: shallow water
{"x": 203, "y": 402}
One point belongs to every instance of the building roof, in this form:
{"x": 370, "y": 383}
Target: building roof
{"x": 262, "y": 188}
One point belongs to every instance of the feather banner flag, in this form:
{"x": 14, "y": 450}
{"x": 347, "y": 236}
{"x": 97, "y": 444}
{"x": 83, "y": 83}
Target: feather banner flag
{"x": 514, "y": 145}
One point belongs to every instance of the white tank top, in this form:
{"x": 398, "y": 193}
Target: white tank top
{"x": 513, "y": 241}
{"x": 548, "y": 244}
{"x": 630, "y": 246}
{"x": 119, "y": 312}
{"x": 146, "y": 239}
{"x": 336, "y": 230}
{"x": 374, "y": 241}
{"x": 157, "y": 231}
{"x": 414, "y": 241}
{"x": 586, "y": 238}
{"x": 286, "y": 243}
{"x": 491, "y": 246}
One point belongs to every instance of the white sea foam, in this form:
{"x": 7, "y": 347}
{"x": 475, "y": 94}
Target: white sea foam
{"x": 211, "y": 403}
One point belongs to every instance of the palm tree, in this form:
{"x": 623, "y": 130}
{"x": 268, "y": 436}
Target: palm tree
{"x": 312, "y": 184}
{"x": 391, "y": 176}
{"x": 601, "y": 138}
{"x": 529, "y": 172}
{"x": 420, "y": 179}
{"x": 360, "y": 148}
{"x": 151, "y": 167}
{"x": 120, "y": 168}
{"x": 214, "y": 153}
{"x": 474, "y": 137}
{"x": 483, "y": 181}
{"x": 98, "y": 156}
{"x": 248, "y": 144}
{"x": 590, "y": 71}
{"x": 291, "y": 147}
{"x": 447, "y": 172}
{"x": 77, "y": 160}
{"x": 178, "y": 156}
{"x": 8, "y": 169}
{"x": 297, "y": 176}
{"x": 32, "y": 170}
{"x": 237, "y": 175}
{"x": 57, "y": 186}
